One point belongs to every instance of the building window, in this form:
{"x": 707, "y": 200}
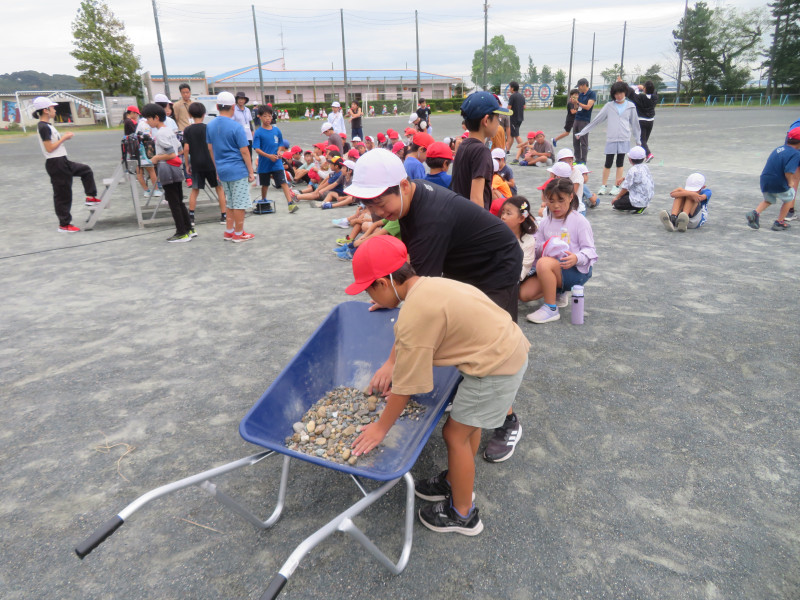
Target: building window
{"x": 269, "y": 98}
{"x": 381, "y": 92}
{"x": 332, "y": 97}
{"x": 298, "y": 98}
{"x": 438, "y": 93}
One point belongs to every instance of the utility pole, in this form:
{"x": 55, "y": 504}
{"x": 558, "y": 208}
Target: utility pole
{"x": 416, "y": 26}
{"x": 258, "y": 57}
{"x": 591, "y": 73}
{"x": 344, "y": 55}
{"x": 161, "y": 51}
{"x": 680, "y": 53}
{"x": 622, "y": 60}
{"x": 571, "y": 49}
{"x": 283, "y": 50}
{"x": 485, "y": 38}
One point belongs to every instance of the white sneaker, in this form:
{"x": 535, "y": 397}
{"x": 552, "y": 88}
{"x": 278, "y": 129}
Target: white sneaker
{"x": 562, "y": 299}
{"x": 602, "y": 190}
{"x": 544, "y": 315}
{"x": 614, "y": 191}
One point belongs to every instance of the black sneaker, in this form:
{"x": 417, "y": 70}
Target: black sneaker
{"x": 436, "y": 488}
{"x": 443, "y": 518}
{"x": 505, "y": 438}
{"x": 433, "y": 489}
{"x": 223, "y": 219}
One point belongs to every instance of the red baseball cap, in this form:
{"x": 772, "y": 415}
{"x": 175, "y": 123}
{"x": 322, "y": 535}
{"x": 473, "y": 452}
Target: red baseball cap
{"x": 422, "y": 139}
{"x": 544, "y": 185}
{"x": 134, "y": 109}
{"x": 397, "y": 147}
{"x": 377, "y": 257}
{"x": 353, "y": 154}
{"x": 439, "y": 150}
{"x": 296, "y": 150}
{"x": 393, "y": 135}
{"x": 368, "y": 139}
{"x": 287, "y": 155}
{"x": 381, "y": 137}
{"x": 794, "y": 134}
{"x": 343, "y": 135}
{"x": 531, "y": 135}
{"x": 410, "y": 131}
{"x": 331, "y": 147}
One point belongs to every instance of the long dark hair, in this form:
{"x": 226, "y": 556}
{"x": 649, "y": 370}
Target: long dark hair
{"x": 524, "y": 207}
{"x": 561, "y": 186}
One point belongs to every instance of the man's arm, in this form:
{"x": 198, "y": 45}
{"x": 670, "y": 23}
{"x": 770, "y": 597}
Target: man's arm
{"x": 476, "y": 191}
{"x": 373, "y": 434}
{"x": 50, "y": 145}
{"x": 248, "y": 163}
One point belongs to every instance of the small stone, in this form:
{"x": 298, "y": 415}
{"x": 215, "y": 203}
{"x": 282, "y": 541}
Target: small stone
{"x": 352, "y": 460}
{"x": 311, "y": 426}
{"x": 345, "y": 453}
{"x": 326, "y": 432}
{"x": 296, "y": 437}
{"x": 319, "y": 429}
{"x": 321, "y": 412}
{"x": 321, "y": 441}
{"x": 298, "y": 427}
{"x": 349, "y": 430}
{"x": 320, "y": 452}
{"x": 304, "y": 438}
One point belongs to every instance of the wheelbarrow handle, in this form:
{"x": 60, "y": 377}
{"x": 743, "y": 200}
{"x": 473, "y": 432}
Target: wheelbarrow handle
{"x": 99, "y": 536}
{"x": 275, "y": 587}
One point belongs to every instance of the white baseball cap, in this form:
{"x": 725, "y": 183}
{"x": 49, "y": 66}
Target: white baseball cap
{"x": 637, "y": 153}
{"x": 40, "y": 103}
{"x": 224, "y": 99}
{"x": 582, "y": 168}
{"x": 498, "y": 153}
{"x": 565, "y": 153}
{"x": 375, "y": 172}
{"x": 162, "y": 98}
{"x": 695, "y": 182}
{"x": 561, "y": 169}
{"x": 495, "y": 165}
{"x": 413, "y": 117}
{"x": 326, "y": 126}
{"x": 356, "y": 139}
{"x": 336, "y": 105}
{"x": 350, "y": 164}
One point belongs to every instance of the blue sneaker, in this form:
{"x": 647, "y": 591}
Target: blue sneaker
{"x": 346, "y": 254}
{"x": 326, "y": 205}
{"x": 554, "y": 142}
{"x": 752, "y": 219}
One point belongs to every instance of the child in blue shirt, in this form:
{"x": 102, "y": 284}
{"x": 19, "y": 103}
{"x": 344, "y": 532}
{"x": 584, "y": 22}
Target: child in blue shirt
{"x": 439, "y": 158}
{"x": 266, "y": 143}
{"x": 689, "y": 206}
{"x": 779, "y": 181}
{"x": 417, "y": 153}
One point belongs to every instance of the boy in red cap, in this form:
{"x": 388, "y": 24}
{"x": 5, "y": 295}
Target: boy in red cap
{"x": 439, "y": 157}
{"x": 472, "y": 167}
{"x": 779, "y": 181}
{"x": 442, "y": 323}
{"x": 417, "y": 153}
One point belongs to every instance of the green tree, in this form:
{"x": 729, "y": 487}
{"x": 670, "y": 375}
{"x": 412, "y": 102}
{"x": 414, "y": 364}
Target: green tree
{"x": 652, "y": 74}
{"x": 719, "y": 46}
{"x": 532, "y": 76}
{"x": 502, "y": 63}
{"x": 561, "y": 81}
{"x": 105, "y": 56}
{"x": 610, "y": 74}
{"x": 784, "y": 68}
{"x": 546, "y": 75}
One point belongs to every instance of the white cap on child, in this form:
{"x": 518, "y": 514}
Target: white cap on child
{"x": 695, "y": 182}
{"x": 326, "y": 126}
{"x": 495, "y": 165}
{"x": 561, "y": 169}
{"x": 498, "y": 153}
{"x": 40, "y": 103}
{"x": 225, "y": 99}
{"x": 162, "y": 98}
{"x": 336, "y": 105}
{"x": 637, "y": 153}
{"x": 582, "y": 168}
{"x": 564, "y": 153}
{"x": 374, "y": 173}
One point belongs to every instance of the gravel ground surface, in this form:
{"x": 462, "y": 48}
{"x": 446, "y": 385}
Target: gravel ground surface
{"x": 661, "y": 440}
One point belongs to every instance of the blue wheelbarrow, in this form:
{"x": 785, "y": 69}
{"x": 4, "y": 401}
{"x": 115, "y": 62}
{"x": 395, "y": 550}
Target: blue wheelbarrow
{"x": 346, "y": 349}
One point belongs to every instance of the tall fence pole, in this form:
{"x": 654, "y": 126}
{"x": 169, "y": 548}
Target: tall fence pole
{"x": 161, "y": 51}
{"x": 258, "y": 57}
{"x": 571, "y": 50}
{"x": 344, "y": 55}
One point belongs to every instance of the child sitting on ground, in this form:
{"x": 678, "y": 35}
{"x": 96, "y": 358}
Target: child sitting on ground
{"x": 336, "y": 198}
{"x": 636, "y": 188}
{"x": 524, "y": 147}
{"x": 779, "y": 181}
{"x": 689, "y": 205}
{"x": 516, "y": 213}
{"x": 446, "y": 323}
{"x": 505, "y": 171}
{"x": 328, "y": 185}
{"x": 439, "y": 157}
{"x": 540, "y": 153}
{"x": 589, "y": 199}
{"x": 500, "y": 188}
{"x": 556, "y": 276}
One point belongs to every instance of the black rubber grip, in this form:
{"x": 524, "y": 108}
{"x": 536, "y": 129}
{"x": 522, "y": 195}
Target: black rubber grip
{"x": 99, "y": 536}
{"x": 275, "y": 587}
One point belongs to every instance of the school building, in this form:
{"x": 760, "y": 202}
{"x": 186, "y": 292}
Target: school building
{"x": 282, "y": 86}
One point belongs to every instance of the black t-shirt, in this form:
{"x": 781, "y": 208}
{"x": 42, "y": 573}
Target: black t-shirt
{"x": 200, "y": 157}
{"x": 473, "y": 160}
{"x": 355, "y": 123}
{"x": 516, "y": 102}
{"x": 449, "y": 236}
{"x": 130, "y": 126}
{"x": 425, "y": 114}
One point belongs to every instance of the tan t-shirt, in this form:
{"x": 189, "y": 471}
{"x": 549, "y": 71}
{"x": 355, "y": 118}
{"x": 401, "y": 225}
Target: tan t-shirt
{"x": 180, "y": 110}
{"x": 448, "y": 323}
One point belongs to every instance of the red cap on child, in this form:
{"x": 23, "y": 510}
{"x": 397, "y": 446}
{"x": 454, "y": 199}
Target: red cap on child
{"x": 397, "y": 147}
{"x": 331, "y": 148}
{"x": 794, "y": 134}
{"x": 423, "y": 140}
{"x": 377, "y": 257}
{"x": 440, "y": 150}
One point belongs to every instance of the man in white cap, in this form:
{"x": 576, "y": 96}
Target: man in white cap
{"x": 59, "y": 167}
{"x": 334, "y": 139}
{"x": 447, "y": 236}
{"x": 336, "y": 118}
{"x": 230, "y": 152}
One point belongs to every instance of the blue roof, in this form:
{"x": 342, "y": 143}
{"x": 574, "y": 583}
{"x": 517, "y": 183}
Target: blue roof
{"x": 249, "y": 74}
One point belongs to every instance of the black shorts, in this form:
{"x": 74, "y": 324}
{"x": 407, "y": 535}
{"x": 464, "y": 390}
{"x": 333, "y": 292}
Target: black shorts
{"x": 568, "y": 124}
{"x": 199, "y": 179}
{"x": 515, "y": 129}
{"x": 279, "y": 177}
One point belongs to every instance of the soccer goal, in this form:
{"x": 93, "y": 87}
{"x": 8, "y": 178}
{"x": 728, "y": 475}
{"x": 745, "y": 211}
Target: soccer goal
{"x": 388, "y": 105}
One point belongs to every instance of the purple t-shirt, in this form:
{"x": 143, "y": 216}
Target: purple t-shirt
{"x": 581, "y": 238}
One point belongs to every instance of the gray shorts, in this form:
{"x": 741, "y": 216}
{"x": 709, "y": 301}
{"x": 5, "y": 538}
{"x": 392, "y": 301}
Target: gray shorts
{"x": 617, "y": 147}
{"x": 784, "y": 197}
{"x": 484, "y": 401}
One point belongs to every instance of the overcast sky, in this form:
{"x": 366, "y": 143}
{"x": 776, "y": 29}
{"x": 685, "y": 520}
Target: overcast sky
{"x": 200, "y": 35}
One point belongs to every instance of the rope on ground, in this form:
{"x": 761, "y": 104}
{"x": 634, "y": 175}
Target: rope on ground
{"x": 106, "y": 448}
